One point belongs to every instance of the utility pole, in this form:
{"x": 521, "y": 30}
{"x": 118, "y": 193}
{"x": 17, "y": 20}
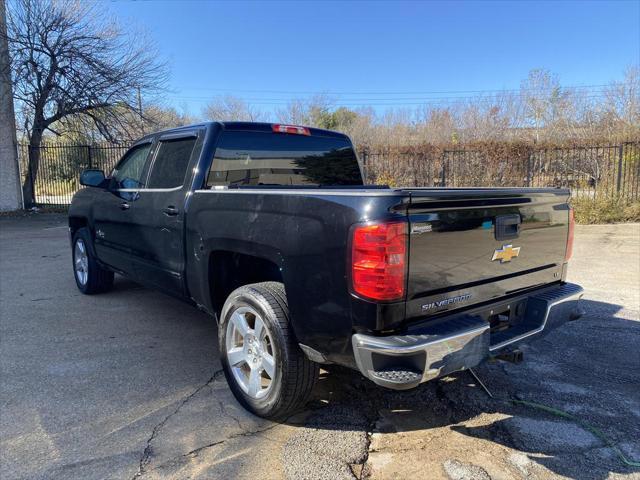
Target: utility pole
{"x": 139, "y": 103}
{"x": 10, "y": 190}
{"x": 140, "y": 112}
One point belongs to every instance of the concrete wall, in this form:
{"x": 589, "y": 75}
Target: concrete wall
{"x": 10, "y": 194}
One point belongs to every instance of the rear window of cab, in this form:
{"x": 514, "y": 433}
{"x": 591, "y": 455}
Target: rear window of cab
{"x": 254, "y": 158}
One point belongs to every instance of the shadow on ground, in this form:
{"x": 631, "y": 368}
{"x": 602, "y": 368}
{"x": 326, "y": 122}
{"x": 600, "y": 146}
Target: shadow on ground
{"x": 352, "y": 428}
{"x": 588, "y": 369}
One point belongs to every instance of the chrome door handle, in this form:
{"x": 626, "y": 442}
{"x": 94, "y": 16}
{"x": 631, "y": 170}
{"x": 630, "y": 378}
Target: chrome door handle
{"x": 125, "y": 206}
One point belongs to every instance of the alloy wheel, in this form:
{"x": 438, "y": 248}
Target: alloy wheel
{"x": 81, "y": 261}
{"x": 250, "y": 352}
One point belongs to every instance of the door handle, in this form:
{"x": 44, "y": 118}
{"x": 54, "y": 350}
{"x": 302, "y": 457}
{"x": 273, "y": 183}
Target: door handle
{"x": 170, "y": 211}
{"x": 125, "y": 206}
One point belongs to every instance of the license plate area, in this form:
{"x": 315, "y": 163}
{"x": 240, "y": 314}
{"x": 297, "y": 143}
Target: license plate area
{"x": 504, "y": 317}
{"x": 511, "y": 320}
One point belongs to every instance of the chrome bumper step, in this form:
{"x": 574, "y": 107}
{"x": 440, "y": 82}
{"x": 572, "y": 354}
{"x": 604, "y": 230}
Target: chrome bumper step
{"x": 547, "y": 310}
{"x": 449, "y": 344}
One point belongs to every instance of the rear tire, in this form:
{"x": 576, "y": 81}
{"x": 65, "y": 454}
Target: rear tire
{"x": 266, "y": 370}
{"x": 90, "y": 276}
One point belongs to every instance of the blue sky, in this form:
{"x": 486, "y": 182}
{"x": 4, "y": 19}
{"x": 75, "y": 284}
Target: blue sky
{"x": 380, "y": 52}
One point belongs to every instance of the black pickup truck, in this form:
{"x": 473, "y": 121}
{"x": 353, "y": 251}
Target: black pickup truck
{"x": 270, "y": 230}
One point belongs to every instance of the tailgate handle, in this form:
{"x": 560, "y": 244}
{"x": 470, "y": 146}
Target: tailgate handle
{"x": 507, "y": 226}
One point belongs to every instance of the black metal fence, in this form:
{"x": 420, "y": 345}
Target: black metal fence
{"x": 611, "y": 171}
{"x": 60, "y": 166}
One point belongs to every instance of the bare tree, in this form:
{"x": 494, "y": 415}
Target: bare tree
{"x": 69, "y": 60}
{"x": 230, "y": 108}
{"x": 622, "y": 105}
{"x": 544, "y": 100}
{"x": 359, "y": 127}
{"x": 81, "y": 129}
{"x": 542, "y": 110}
{"x": 311, "y": 111}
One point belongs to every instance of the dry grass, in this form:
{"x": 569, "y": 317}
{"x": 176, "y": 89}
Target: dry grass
{"x": 605, "y": 210}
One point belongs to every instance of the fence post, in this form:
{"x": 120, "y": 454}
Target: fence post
{"x": 89, "y": 156}
{"x": 444, "y": 169}
{"x": 31, "y": 201}
{"x": 620, "y": 157}
{"x": 365, "y": 172}
{"x": 529, "y": 173}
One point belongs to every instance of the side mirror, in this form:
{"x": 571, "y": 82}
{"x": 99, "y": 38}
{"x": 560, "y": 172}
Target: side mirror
{"x": 92, "y": 177}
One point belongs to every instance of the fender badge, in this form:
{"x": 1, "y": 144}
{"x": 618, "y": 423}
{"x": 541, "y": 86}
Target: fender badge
{"x": 420, "y": 228}
{"x": 505, "y": 254}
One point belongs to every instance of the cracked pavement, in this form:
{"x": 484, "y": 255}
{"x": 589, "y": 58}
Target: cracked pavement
{"x": 127, "y": 385}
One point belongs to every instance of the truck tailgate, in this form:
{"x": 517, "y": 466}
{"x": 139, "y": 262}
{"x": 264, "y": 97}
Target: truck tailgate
{"x": 469, "y": 246}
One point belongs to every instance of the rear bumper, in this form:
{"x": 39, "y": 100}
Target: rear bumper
{"x": 460, "y": 341}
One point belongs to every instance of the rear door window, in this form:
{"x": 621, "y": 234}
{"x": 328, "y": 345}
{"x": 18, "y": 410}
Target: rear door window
{"x": 172, "y": 160}
{"x": 251, "y": 158}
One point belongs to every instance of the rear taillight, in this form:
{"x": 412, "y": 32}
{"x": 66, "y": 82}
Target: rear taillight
{"x": 290, "y": 129}
{"x": 572, "y": 225}
{"x": 379, "y": 260}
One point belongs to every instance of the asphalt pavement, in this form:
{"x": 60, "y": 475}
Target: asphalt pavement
{"x": 128, "y": 385}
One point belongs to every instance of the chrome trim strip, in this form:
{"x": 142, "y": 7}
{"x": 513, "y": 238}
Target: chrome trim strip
{"x": 136, "y": 190}
{"x": 307, "y": 192}
{"x": 418, "y": 193}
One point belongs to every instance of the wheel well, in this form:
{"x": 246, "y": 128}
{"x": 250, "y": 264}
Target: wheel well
{"x": 230, "y": 270}
{"x": 76, "y": 223}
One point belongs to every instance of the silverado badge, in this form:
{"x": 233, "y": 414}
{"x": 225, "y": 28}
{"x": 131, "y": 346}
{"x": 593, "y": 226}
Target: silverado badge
{"x": 447, "y": 301}
{"x": 505, "y": 254}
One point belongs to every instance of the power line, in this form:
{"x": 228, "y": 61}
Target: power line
{"x": 342, "y": 99}
{"x": 585, "y": 92}
{"x": 422, "y": 92}
{"x": 374, "y": 102}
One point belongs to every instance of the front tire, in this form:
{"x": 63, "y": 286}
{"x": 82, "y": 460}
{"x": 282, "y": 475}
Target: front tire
{"x": 90, "y": 276}
{"x": 263, "y": 364}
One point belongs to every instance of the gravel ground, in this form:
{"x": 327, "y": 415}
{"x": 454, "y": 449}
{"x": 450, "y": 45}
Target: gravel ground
{"x": 128, "y": 385}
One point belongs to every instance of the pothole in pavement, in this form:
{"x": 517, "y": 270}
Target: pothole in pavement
{"x": 547, "y": 435}
{"x": 464, "y": 471}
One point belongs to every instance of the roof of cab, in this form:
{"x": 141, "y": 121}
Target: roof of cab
{"x": 268, "y": 127}
{"x": 243, "y": 126}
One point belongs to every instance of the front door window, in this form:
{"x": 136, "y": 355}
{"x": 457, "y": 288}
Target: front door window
{"x": 130, "y": 170}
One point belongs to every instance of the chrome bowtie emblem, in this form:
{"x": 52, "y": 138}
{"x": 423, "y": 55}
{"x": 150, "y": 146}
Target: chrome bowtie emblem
{"x": 505, "y": 254}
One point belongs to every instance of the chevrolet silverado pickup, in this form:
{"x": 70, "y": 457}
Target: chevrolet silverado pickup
{"x": 270, "y": 229}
